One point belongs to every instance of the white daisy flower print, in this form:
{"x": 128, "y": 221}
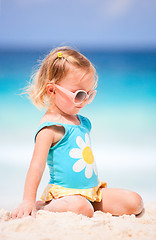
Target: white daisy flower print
{"x": 85, "y": 155}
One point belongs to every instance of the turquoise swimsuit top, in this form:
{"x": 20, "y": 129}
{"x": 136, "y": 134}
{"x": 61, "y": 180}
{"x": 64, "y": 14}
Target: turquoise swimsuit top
{"x": 71, "y": 162}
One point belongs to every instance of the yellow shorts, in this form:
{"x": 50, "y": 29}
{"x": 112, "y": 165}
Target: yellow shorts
{"x": 53, "y": 191}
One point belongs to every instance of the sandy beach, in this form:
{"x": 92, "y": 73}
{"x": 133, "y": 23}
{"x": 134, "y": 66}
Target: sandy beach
{"x": 63, "y": 226}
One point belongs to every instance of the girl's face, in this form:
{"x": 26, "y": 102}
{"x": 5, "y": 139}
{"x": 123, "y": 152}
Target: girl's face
{"x": 75, "y": 80}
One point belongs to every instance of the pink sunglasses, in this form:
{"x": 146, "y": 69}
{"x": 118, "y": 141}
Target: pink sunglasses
{"x": 79, "y": 96}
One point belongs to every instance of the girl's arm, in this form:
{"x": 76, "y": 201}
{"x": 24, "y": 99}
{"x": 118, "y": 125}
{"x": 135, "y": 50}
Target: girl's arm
{"x": 44, "y": 141}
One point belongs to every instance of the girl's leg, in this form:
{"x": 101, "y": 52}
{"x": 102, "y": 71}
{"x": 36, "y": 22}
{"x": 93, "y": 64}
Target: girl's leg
{"x": 119, "y": 202}
{"x": 74, "y": 203}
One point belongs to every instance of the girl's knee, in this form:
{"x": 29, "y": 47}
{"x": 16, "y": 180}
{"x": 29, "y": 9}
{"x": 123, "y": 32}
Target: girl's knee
{"x": 82, "y": 206}
{"x": 135, "y": 203}
{"x": 86, "y": 208}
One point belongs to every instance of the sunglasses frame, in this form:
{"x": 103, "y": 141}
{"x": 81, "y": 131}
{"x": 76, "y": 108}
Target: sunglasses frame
{"x": 73, "y": 95}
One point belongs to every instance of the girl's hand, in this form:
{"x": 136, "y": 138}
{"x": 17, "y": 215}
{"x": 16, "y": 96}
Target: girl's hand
{"x": 26, "y": 208}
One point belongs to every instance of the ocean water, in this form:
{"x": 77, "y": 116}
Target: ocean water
{"x": 123, "y": 117}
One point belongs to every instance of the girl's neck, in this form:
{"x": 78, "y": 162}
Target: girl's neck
{"x": 51, "y": 115}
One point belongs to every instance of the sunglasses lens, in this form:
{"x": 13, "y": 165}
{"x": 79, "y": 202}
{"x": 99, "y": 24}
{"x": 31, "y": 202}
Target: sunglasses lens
{"x": 91, "y": 96}
{"x": 80, "y": 97}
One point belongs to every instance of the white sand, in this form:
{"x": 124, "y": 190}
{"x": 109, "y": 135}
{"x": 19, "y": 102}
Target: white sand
{"x": 69, "y": 226}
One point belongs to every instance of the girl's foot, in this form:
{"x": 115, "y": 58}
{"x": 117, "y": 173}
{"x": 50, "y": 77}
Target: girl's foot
{"x": 39, "y": 205}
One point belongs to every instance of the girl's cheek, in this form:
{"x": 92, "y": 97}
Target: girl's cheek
{"x": 64, "y": 102}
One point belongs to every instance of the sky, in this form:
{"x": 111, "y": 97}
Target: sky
{"x": 86, "y": 23}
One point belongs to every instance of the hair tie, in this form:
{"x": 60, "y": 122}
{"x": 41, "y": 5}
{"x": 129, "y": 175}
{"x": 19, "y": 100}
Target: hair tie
{"x": 59, "y": 55}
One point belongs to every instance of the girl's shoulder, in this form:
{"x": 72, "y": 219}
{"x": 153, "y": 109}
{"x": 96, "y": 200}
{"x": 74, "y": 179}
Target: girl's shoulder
{"x": 57, "y": 120}
{"x": 49, "y": 117}
{"x": 49, "y": 121}
{"x": 85, "y": 121}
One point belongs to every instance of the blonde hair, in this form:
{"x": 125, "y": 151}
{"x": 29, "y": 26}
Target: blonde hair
{"x": 53, "y": 68}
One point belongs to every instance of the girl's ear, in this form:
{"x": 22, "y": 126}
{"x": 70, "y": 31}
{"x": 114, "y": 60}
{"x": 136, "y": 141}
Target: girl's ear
{"x": 50, "y": 89}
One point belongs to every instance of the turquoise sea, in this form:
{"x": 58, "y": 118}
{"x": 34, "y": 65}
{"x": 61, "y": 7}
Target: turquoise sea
{"x": 123, "y": 117}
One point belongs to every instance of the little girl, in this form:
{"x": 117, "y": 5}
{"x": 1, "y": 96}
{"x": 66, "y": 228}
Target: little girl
{"x": 64, "y": 84}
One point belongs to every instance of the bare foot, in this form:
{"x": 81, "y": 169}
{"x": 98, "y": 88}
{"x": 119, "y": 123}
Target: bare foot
{"x": 39, "y": 205}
